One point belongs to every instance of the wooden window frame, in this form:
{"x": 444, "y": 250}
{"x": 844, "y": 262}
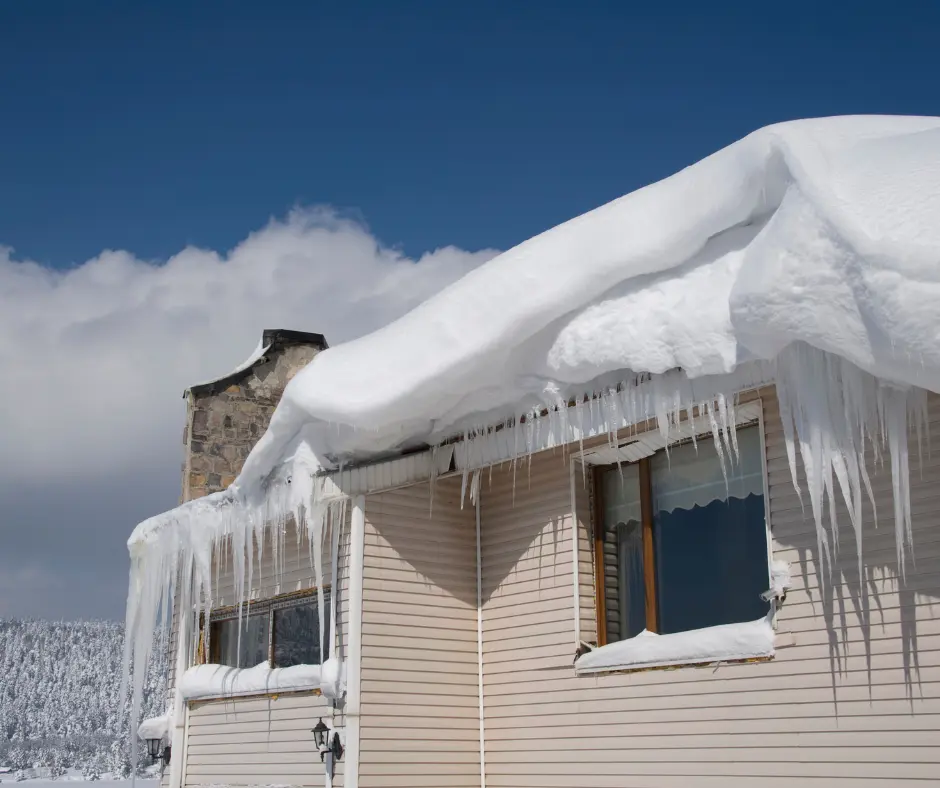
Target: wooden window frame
{"x": 649, "y": 555}
{"x": 260, "y": 607}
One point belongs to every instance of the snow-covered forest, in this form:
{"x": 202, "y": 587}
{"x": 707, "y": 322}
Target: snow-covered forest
{"x": 60, "y": 697}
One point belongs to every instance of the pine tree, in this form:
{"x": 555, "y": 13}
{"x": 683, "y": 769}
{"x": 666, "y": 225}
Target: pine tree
{"x": 118, "y": 764}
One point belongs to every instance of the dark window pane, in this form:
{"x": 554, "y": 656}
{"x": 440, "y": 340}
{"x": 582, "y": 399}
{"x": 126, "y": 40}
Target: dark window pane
{"x": 297, "y": 636}
{"x": 241, "y": 645}
{"x": 625, "y": 589}
{"x": 710, "y": 535}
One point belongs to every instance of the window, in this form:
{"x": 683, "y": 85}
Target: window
{"x": 282, "y": 631}
{"x": 679, "y": 546}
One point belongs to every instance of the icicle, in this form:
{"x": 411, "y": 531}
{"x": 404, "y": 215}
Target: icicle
{"x": 716, "y": 437}
{"x": 336, "y": 530}
{"x": 475, "y": 487}
{"x": 832, "y": 410}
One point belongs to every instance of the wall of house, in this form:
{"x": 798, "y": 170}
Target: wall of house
{"x": 268, "y": 740}
{"x": 419, "y": 701}
{"x": 853, "y": 696}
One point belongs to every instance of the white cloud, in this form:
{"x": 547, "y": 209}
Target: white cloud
{"x": 94, "y": 360}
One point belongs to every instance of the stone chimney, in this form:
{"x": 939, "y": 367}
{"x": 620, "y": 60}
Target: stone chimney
{"x": 225, "y": 417}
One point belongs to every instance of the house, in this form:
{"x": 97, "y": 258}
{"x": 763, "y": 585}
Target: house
{"x": 672, "y": 528}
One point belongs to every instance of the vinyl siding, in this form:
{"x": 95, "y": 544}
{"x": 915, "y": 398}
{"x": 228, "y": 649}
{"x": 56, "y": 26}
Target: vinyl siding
{"x": 419, "y": 703}
{"x": 854, "y": 699}
{"x": 267, "y": 740}
{"x": 255, "y": 741}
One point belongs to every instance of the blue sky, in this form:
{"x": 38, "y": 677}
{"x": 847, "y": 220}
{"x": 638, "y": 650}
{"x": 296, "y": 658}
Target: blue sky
{"x": 150, "y": 127}
{"x": 477, "y": 124}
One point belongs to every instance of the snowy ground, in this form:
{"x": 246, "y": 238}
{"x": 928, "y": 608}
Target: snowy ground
{"x": 71, "y": 776}
{"x": 8, "y": 778}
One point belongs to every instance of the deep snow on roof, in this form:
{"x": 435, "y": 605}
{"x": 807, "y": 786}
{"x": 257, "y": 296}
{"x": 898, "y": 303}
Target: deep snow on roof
{"x": 820, "y": 231}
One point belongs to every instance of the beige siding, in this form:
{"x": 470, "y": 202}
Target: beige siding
{"x": 420, "y": 721}
{"x": 268, "y": 740}
{"x": 853, "y": 700}
{"x": 255, "y": 741}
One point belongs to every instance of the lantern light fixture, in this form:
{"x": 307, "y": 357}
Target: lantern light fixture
{"x": 327, "y": 741}
{"x": 154, "y": 751}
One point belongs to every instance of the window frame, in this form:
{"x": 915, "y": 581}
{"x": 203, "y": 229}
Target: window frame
{"x": 267, "y": 607}
{"x": 647, "y": 520}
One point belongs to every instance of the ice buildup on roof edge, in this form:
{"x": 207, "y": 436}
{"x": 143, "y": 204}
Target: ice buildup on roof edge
{"x": 811, "y": 245}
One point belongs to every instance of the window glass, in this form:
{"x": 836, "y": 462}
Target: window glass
{"x": 709, "y": 534}
{"x": 246, "y": 651}
{"x": 297, "y": 636}
{"x": 623, "y": 553}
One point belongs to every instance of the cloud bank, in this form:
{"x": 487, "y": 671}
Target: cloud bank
{"x": 94, "y": 360}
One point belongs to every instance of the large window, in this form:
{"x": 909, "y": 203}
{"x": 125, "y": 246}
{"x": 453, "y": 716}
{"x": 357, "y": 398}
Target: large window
{"x": 282, "y": 631}
{"x": 681, "y": 541}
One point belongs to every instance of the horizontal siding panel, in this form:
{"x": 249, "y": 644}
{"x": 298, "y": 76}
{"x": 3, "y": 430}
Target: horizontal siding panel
{"x": 413, "y": 737}
{"x": 410, "y": 596}
{"x": 438, "y": 632}
{"x": 453, "y": 711}
{"x": 650, "y": 696}
{"x": 691, "y": 771}
{"x": 816, "y": 719}
{"x": 292, "y": 738}
{"x": 391, "y": 748}
{"x": 876, "y": 748}
{"x": 255, "y": 773}
{"x": 461, "y": 753}
{"x": 304, "y": 758}
{"x": 610, "y": 711}
{"x": 393, "y": 688}
{"x": 672, "y": 781}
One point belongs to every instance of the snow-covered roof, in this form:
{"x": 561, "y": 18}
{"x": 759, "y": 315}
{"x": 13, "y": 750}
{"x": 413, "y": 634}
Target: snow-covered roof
{"x": 824, "y": 231}
{"x": 821, "y": 231}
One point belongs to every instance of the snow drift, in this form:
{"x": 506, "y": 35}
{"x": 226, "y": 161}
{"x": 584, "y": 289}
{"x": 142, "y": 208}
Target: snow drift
{"x": 811, "y": 246}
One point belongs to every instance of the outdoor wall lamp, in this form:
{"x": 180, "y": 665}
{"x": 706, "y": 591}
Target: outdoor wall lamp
{"x": 153, "y": 750}
{"x": 327, "y": 741}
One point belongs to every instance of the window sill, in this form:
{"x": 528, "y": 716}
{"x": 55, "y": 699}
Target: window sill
{"x": 726, "y": 643}
{"x": 215, "y": 682}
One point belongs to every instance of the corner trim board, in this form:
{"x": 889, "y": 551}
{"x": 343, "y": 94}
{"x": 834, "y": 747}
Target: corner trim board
{"x": 353, "y": 674}
{"x": 480, "y": 647}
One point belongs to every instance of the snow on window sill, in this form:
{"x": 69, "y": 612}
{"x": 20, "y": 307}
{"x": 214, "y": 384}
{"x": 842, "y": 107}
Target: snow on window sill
{"x": 206, "y": 682}
{"x": 725, "y": 643}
